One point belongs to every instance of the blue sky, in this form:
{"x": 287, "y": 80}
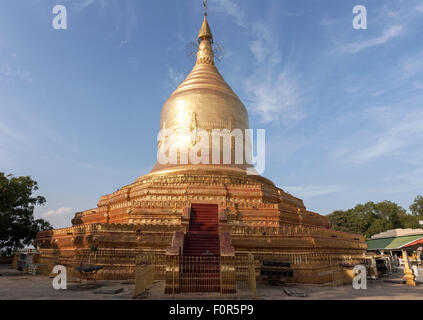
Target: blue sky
{"x": 342, "y": 108}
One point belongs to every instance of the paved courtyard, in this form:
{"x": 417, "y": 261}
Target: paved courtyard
{"x": 15, "y": 285}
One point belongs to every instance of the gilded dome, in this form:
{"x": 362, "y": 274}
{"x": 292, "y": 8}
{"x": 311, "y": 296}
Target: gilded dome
{"x": 203, "y": 100}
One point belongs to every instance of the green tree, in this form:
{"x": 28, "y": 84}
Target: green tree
{"x": 376, "y": 227}
{"x": 18, "y": 227}
{"x": 372, "y": 218}
{"x": 391, "y": 212}
{"x": 417, "y": 207}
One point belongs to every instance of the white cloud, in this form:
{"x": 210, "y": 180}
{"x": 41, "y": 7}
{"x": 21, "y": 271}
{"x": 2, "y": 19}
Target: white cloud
{"x": 83, "y": 4}
{"x": 309, "y": 191}
{"x": 352, "y": 89}
{"x": 264, "y": 47}
{"x": 13, "y": 69}
{"x": 409, "y": 181}
{"x": 5, "y": 70}
{"x": 328, "y": 21}
{"x": 23, "y": 74}
{"x": 130, "y": 26}
{"x": 134, "y": 63}
{"x": 273, "y": 95}
{"x": 59, "y": 212}
{"x": 274, "y": 100}
{"x": 391, "y": 33}
{"x": 175, "y": 78}
{"x": 412, "y": 66}
{"x": 10, "y": 133}
{"x": 418, "y": 84}
{"x": 230, "y": 8}
{"x": 399, "y": 133}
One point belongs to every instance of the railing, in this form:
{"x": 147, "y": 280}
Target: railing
{"x": 144, "y": 278}
{"x": 161, "y": 263}
{"x": 199, "y": 274}
{"x": 116, "y": 263}
{"x": 238, "y": 275}
{"x": 313, "y": 259}
{"x": 293, "y": 231}
{"x": 252, "y": 276}
{"x": 204, "y": 274}
{"x": 236, "y": 272}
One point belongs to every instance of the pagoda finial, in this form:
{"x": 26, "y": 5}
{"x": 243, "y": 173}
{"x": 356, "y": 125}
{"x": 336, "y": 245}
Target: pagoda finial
{"x": 205, "y": 32}
{"x": 205, "y": 7}
{"x": 205, "y": 39}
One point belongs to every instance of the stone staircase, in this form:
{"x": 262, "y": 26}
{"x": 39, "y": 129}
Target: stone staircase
{"x": 201, "y": 254}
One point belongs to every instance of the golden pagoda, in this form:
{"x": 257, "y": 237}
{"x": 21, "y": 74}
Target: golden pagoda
{"x": 160, "y": 213}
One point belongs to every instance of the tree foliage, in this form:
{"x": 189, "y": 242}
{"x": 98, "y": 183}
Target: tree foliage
{"x": 417, "y": 207}
{"x": 18, "y": 227}
{"x": 372, "y": 218}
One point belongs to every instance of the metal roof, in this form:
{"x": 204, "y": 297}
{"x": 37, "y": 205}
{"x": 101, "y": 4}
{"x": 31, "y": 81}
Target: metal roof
{"x": 392, "y": 243}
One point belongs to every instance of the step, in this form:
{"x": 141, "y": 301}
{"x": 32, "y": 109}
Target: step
{"x": 197, "y": 222}
{"x": 204, "y": 213}
{"x": 205, "y": 234}
{"x": 193, "y": 246}
{"x": 196, "y": 240}
{"x": 210, "y": 222}
{"x": 202, "y": 238}
{"x": 199, "y": 238}
{"x": 203, "y": 206}
{"x": 202, "y": 243}
{"x": 205, "y": 216}
{"x": 208, "y": 242}
{"x": 198, "y": 244}
{"x": 202, "y": 249}
{"x": 201, "y": 252}
{"x": 204, "y": 221}
{"x": 205, "y": 240}
{"x": 212, "y": 229}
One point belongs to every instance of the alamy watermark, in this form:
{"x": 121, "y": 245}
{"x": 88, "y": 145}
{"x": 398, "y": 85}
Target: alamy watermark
{"x": 60, "y": 281}
{"x": 360, "y": 20}
{"x": 360, "y": 280}
{"x": 60, "y": 21}
{"x": 215, "y": 147}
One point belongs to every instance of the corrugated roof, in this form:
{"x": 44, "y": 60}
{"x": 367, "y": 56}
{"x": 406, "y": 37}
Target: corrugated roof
{"x": 392, "y": 243}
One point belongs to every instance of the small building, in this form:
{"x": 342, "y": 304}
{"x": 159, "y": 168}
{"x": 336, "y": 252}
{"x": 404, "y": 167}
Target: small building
{"x": 394, "y": 241}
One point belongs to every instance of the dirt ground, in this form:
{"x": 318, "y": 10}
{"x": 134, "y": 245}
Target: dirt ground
{"x": 15, "y": 285}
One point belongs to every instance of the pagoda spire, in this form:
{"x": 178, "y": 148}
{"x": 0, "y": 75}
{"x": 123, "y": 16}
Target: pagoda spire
{"x": 205, "y": 32}
{"x": 205, "y": 53}
{"x": 205, "y": 7}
